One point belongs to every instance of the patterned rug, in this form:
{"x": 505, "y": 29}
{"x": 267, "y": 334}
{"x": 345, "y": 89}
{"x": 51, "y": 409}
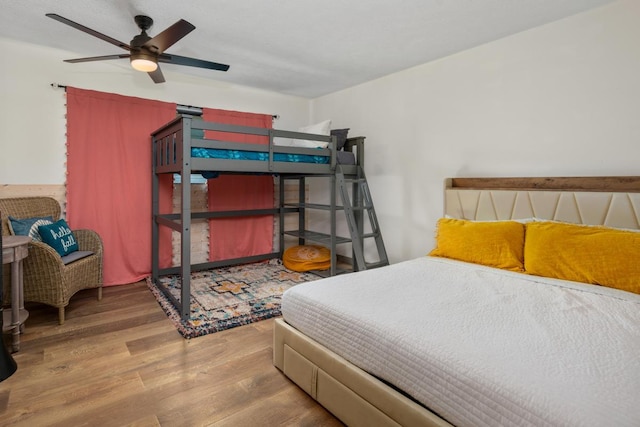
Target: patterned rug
{"x": 227, "y": 297}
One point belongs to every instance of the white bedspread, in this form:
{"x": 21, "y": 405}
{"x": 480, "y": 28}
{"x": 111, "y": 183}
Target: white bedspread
{"x": 481, "y": 346}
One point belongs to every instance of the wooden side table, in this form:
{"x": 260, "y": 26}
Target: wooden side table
{"x": 14, "y": 250}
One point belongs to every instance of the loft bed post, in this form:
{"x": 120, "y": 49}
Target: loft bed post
{"x": 155, "y": 211}
{"x": 357, "y": 196}
{"x": 270, "y": 154}
{"x": 185, "y": 215}
{"x": 301, "y": 203}
{"x": 359, "y": 201}
{"x": 281, "y": 216}
{"x": 333, "y": 195}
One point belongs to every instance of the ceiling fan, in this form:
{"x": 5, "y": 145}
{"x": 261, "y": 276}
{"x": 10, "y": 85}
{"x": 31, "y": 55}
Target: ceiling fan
{"x": 144, "y": 51}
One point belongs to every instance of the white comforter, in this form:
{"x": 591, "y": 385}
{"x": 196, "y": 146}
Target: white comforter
{"x": 481, "y": 346}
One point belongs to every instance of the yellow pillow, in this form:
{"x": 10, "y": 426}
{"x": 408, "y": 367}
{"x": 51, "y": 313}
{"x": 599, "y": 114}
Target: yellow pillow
{"x": 597, "y": 255}
{"x": 492, "y": 243}
{"x": 307, "y": 258}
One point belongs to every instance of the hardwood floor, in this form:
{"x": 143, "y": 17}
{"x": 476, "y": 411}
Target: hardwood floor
{"x": 120, "y": 362}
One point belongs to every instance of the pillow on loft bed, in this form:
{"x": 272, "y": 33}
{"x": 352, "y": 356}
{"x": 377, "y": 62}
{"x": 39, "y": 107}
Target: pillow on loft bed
{"x": 341, "y": 137}
{"x": 322, "y": 128}
{"x": 345, "y": 158}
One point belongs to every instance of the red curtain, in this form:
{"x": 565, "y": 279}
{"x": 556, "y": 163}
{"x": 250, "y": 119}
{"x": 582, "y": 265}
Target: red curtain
{"x": 239, "y": 237}
{"x": 109, "y": 177}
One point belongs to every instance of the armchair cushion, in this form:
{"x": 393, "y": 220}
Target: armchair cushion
{"x": 28, "y": 226}
{"x": 59, "y": 236}
{"x": 74, "y": 256}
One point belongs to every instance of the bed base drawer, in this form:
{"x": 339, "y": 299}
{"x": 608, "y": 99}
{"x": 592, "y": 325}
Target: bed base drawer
{"x": 351, "y": 394}
{"x": 335, "y": 397}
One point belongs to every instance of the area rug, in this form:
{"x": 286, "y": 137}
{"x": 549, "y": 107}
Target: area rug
{"x": 227, "y": 297}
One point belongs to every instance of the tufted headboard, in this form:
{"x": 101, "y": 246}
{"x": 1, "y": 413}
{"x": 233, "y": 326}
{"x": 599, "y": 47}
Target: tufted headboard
{"x": 610, "y": 201}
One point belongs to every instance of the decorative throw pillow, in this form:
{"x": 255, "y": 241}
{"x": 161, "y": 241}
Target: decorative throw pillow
{"x": 59, "y": 236}
{"x": 497, "y": 244}
{"x": 307, "y": 258}
{"x": 588, "y": 254}
{"x": 341, "y": 137}
{"x": 28, "y": 226}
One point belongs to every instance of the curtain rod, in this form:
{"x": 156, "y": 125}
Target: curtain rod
{"x": 58, "y": 85}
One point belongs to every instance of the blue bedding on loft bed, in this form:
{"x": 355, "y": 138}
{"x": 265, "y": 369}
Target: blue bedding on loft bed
{"x": 213, "y": 153}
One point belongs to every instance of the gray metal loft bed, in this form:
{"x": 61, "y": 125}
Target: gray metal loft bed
{"x": 179, "y": 147}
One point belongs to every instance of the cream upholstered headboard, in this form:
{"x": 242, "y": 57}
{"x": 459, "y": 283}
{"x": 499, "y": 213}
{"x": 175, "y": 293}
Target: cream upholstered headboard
{"x": 610, "y": 201}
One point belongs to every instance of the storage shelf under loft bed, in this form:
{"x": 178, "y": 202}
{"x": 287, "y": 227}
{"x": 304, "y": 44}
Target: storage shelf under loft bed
{"x": 317, "y": 237}
{"x": 331, "y": 239}
{"x": 316, "y": 206}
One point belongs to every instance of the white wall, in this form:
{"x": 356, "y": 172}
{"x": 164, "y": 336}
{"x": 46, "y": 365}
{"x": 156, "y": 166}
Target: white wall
{"x": 558, "y": 100}
{"x": 32, "y": 113}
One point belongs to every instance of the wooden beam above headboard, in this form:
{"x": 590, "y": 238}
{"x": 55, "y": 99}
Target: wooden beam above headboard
{"x": 610, "y": 201}
{"x": 591, "y": 183}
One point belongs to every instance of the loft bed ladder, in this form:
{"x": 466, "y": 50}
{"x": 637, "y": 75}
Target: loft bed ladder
{"x": 354, "y": 206}
{"x": 355, "y": 199}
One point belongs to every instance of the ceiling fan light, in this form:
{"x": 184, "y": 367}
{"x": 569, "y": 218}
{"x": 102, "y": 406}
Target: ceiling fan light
{"x": 144, "y": 63}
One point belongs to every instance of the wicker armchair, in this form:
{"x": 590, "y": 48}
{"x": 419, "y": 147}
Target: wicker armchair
{"x": 46, "y": 278}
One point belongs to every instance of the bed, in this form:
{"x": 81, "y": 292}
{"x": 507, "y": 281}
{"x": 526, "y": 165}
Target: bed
{"x": 180, "y": 147}
{"x": 452, "y": 339}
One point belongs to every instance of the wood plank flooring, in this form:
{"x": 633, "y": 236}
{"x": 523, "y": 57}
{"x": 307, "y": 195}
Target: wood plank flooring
{"x": 121, "y": 362}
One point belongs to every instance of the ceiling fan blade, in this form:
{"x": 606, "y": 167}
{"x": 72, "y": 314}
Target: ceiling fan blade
{"x": 191, "y": 62}
{"x": 97, "y": 58}
{"x": 157, "y": 76}
{"x": 169, "y": 36}
{"x": 89, "y": 31}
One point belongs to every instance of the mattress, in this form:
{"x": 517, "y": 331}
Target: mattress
{"x": 343, "y": 157}
{"x": 482, "y": 346}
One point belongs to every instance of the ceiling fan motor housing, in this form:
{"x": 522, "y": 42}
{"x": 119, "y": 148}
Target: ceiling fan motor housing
{"x": 143, "y": 22}
{"x": 138, "y": 42}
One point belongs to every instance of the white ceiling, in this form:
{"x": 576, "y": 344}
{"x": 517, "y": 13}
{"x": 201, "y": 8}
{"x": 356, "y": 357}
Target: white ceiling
{"x": 306, "y": 48}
